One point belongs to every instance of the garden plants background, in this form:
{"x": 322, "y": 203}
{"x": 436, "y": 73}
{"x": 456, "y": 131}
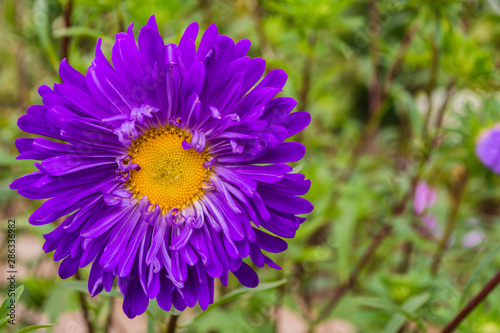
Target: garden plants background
{"x": 402, "y": 94}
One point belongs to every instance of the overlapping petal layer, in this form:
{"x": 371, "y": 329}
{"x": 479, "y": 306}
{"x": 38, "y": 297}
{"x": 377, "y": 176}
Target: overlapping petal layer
{"x": 249, "y": 203}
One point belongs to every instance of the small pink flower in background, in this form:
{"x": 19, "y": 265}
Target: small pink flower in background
{"x": 473, "y": 238}
{"x": 425, "y": 197}
{"x": 430, "y": 223}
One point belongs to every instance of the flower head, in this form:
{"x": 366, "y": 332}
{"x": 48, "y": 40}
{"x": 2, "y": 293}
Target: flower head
{"x": 488, "y": 148}
{"x": 168, "y": 167}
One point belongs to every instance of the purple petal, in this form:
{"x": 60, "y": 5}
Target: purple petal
{"x": 247, "y": 276}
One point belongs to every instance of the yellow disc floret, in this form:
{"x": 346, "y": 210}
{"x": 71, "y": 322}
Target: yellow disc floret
{"x": 169, "y": 175}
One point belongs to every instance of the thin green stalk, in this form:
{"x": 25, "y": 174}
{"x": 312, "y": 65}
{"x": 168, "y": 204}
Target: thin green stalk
{"x": 109, "y": 320}
{"x": 306, "y": 74}
{"x": 432, "y": 84}
{"x": 255, "y": 7}
{"x": 84, "y": 306}
{"x": 353, "y": 277}
{"x": 378, "y": 110}
{"x": 401, "y": 54}
{"x": 120, "y": 18}
{"x": 206, "y": 12}
{"x": 280, "y": 295}
{"x": 385, "y": 231}
{"x": 375, "y": 86}
{"x": 450, "y": 223}
{"x": 450, "y": 89}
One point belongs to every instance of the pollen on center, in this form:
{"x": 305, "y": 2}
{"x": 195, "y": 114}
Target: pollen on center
{"x": 169, "y": 175}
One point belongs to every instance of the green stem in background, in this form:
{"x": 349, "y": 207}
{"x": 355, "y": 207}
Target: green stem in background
{"x": 255, "y": 7}
{"x": 206, "y": 12}
{"x": 368, "y": 135}
{"x": 84, "y": 307}
{"x": 306, "y": 78}
{"x": 432, "y": 84}
{"x": 472, "y": 304}
{"x": 109, "y": 321}
{"x": 385, "y": 231}
{"x": 382, "y": 106}
{"x": 405, "y": 262}
{"x": 458, "y": 194}
{"x": 377, "y": 240}
{"x": 120, "y": 18}
{"x": 68, "y": 8}
{"x": 450, "y": 90}
{"x": 22, "y": 75}
{"x": 306, "y": 73}
{"x": 280, "y": 295}
{"x": 401, "y": 54}
{"x": 299, "y": 274}
{"x": 172, "y": 324}
{"x": 353, "y": 277}
{"x": 361, "y": 146}
{"x": 44, "y": 31}
{"x": 374, "y": 87}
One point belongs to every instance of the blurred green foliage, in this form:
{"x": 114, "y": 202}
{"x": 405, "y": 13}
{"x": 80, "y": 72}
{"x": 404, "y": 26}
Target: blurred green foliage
{"x": 399, "y": 91}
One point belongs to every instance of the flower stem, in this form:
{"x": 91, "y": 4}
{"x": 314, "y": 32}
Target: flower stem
{"x": 353, "y": 277}
{"x": 83, "y": 305}
{"x": 206, "y": 12}
{"x": 255, "y": 7}
{"x": 451, "y": 222}
{"x": 172, "y": 323}
{"x": 306, "y": 73}
{"x": 109, "y": 321}
{"x": 120, "y": 18}
{"x": 401, "y": 54}
{"x": 374, "y": 87}
{"x": 432, "y": 83}
{"x": 450, "y": 89}
{"x": 68, "y": 8}
{"x": 472, "y": 304}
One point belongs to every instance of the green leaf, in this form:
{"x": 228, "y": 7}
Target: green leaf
{"x": 81, "y": 286}
{"x": 57, "y": 301}
{"x": 158, "y": 315}
{"x": 4, "y": 321}
{"x": 232, "y": 295}
{"x": 486, "y": 262}
{"x": 35, "y": 327}
{"x": 408, "y": 313}
{"x": 7, "y": 160}
{"x": 402, "y": 313}
{"x": 4, "y": 310}
{"x": 43, "y": 27}
{"x": 152, "y": 317}
{"x": 344, "y": 231}
{"x": 151, "y": 325}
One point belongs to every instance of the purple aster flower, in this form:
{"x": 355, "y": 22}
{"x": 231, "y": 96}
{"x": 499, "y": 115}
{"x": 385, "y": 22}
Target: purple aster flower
{"x": 425, "y": 197}
{"x": 167, "y": 167}
{"x": 488, "y": 148}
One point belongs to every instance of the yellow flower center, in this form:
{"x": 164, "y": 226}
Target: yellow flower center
{"x": 169, "y": 175}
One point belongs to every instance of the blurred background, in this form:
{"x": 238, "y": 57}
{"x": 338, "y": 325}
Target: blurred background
{"x": 406, "y": 226}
